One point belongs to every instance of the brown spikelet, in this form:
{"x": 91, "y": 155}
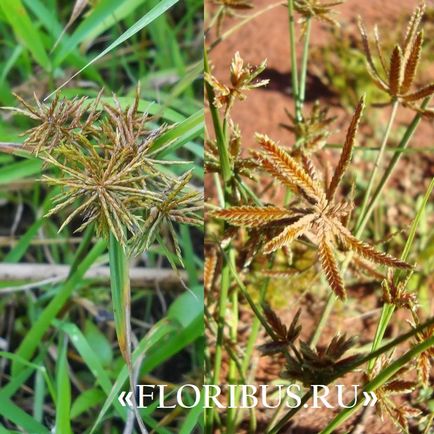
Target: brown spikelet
{"x": 379, "y": 49}
{"x": 372, "y": 69}
{"x": 209, "y": 268}
{"x": 421, "y": 93}
{"x": 347, "y": 149}
{"x": 309, "y": 167}
{"x": 411, "y": 64}
{"x": 395, "y": 71}
{"x": 289, "y": 234}
{"x": 289, "y": 167}
{"x": 251, "y": 216}
{"x": 400, "y": 386}
{"x": 413, "y": 27}
{"x": 278, "y": 274}
{"x": 275, "y": 322}
{"x": 367, "y": 251}
{"x": 424, "y": 367}
{"x": 267, "y": 165}
{"x": 330, "y": 267}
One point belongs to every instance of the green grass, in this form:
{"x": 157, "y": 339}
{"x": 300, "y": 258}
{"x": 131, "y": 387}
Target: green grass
{"x": 63, "y": 367}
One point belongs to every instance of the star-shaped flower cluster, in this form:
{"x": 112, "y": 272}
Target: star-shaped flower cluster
{"x": 317, "y": 214}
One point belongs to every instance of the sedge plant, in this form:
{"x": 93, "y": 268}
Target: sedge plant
{"x": 250, "y": 234}
{"x": 110, "y": 178}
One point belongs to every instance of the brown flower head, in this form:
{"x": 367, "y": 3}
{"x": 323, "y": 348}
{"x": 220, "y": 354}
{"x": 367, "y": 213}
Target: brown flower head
{"x": 424, "y": 359}
{"x": 396, "y": 77}
{"x": 397, "y": 294}
{"x": 284, "y": 337}
{"x": 57, "y": 121}
{"x": 319, "y": 365}
{"x": 106, "y": 161}
{"x": 398, "y": 413}
{"x": 242, "y": 77}
{"x": 317, "y": 214}
{"x": 314, "y": 9}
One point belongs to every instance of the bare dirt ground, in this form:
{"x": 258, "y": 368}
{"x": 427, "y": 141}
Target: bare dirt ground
{"x": 267, "y": 38}
{"x": 264, "y": 111}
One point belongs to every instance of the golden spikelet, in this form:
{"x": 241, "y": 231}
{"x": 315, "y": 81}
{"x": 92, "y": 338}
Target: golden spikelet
{"x": 252, "y": 216}
{"x": 209, "y": 269}
{"x": 421, "y": 93}
{"x": 289, "y": 234}
{"x": 347, "y": 150}
{"x": 330, "y": 267}
{"x": 395, "y": 71}
{"x": 424, "y": 368}
{"x": 412, "y": 64}
{"x": 276, "y": 173}
{"x": 367, "y": 251}
{"x": 288, "y": 166}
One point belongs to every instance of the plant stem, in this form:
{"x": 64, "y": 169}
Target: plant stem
{"x": 225, "y": 166}
{"x": 325, "y": 314}
{"x": 121, "y": 299}
{"x": 392, "y": 164}
{"x": 294, "y": 69}
{"x": 303, "y": 73}
{"x": 378, "y": 381}
{"x": 251, "y": 342}
{"x": 223, "y": 301}
{"x": 233, "y": 334}
{"x": 377, "y": 163}
{"x": 252, "y": 303}
{"x": 388, "y": 309}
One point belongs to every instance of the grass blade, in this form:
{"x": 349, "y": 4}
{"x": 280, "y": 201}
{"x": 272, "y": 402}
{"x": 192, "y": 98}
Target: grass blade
{"x": 154, "y": 13}
{"x": 63, "y": 405}
{"x": 25, "y": 31}
{"x": 120, "y": 286}
{"x": 35, "y": 334}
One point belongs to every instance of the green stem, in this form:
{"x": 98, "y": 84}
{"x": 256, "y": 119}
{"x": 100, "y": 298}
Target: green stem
{"x": 377, "y": 163}
{"x": 325, "y": 314}
{"x": 225, "y": 166}
{"x": 121, "y": 300}
{"x": 294, "y": 69}
{"x": 233, "y": 334}
{"x": 223, "y": 301}
{"x": 304, "y": 61}
{"x": 388, "y": 309}
{"x": 385, "y": 375}
{"x": 252, "y": 303}
{"x": 251, "y": 342}
{"x": 392, "y": 164}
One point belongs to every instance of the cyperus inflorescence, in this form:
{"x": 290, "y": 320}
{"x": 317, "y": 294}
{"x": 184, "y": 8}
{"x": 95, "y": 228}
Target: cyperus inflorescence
{"x": 106, "y": 162}
{"x": 243, "y": 77}
{"x": 397, "y": 75}
{"x": 316, "y": 214}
